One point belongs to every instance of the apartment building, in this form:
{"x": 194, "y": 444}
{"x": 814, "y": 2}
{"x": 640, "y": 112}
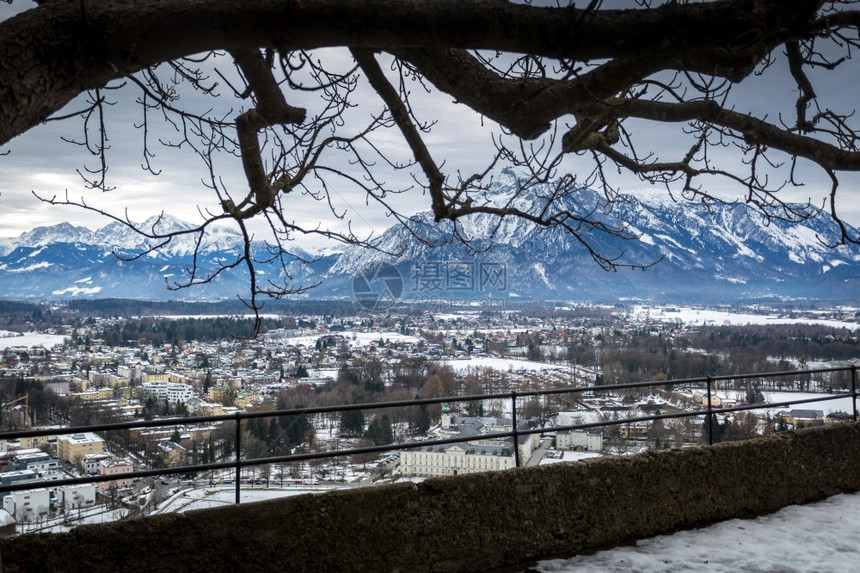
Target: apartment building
{"x": 32, "y": 442}
{"x": 586, "y": 440}
{"x": 27, "y": 505}
{"x": 74, "y": 496}
{"x": 41, "y": 463}
{"x": 173, "y": 392}
{"x": 73, "y": 447}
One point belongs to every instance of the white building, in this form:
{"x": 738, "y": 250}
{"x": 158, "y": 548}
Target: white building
{"x": 583, "y": 440}
{"x": 28, "y": 504}
{"x": 170, "y": 391}
{"x": 455, "y": 459}
{"x": 75, "y": 496}
{"x": 588, "y": 440}
{"x": 485, "y": 452}
{"x": 91, "y": 462}
{"x": 133, "y": 372}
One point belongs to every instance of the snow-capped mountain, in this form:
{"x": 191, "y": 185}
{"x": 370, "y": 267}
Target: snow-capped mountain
{"x": 721, "y": 252}
{"x": 64, "y": 261}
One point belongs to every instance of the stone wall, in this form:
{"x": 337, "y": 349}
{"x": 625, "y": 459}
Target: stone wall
{"x": 469, "y": 523}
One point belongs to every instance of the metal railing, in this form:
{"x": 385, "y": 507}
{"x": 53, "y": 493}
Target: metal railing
{"x": 239, "y": 463}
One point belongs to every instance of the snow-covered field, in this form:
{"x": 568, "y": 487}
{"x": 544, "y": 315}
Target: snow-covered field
{"x": 220, "y": 496}
{"x": 354, "y": 339}
{"x": 842, "y": 403}
{"x": 30, "y": 339}
{"x": 695, "y": 316}
{"x": 503, "y": 364}
{"x": 800, "y": 538}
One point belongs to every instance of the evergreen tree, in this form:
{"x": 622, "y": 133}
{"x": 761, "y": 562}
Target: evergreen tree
{"x": 258, "y": 428}
{"x": 352, "y": 422}
{"x": 422, "y": 423}
{"x": 379, "y": 431}
{"x": 295, "y": 427}
{"x": 274, "y": 434}
{"x": 718, "y": 429}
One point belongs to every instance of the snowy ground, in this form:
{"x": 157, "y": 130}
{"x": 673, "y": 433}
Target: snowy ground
{"x": 58, "y": 524}
{"x": 843, "y": 403}
{"x": 815, "y": 537}
{"x": 29, "y": 340}
{"x": 225, "y": 495}
{"x": 567, "y": 456}
{"x": 503, "y": 364}
{"x": 687, "y": 315}
{"x": 354, "y": 339}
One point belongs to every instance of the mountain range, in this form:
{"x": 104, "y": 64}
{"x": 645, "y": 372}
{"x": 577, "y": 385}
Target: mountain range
{"x": 703, "y": 253}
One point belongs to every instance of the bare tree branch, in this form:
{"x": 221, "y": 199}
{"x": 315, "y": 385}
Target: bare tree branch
{"x": 552, "y": 84}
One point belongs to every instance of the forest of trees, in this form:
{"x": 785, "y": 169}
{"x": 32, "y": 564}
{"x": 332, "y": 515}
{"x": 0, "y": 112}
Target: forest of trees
{"x": 158, "y": 331}
{"x": 714, "y": 351}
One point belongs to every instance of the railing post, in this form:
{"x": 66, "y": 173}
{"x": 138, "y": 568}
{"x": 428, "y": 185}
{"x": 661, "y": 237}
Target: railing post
{"x": 238, "y": 456}
{"x": 854, "y": 389}
{"x": 710, "y": 424}
{"x": 516, "y": 433}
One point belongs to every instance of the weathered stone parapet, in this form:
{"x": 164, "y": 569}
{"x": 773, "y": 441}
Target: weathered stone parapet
{"x": 468, "y": 523}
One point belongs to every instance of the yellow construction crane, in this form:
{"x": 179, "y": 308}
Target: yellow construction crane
{"x": 26, "y": 399}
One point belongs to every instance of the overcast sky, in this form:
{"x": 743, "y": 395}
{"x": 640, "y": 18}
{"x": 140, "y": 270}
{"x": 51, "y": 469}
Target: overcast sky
{"x": 40, "y": 162}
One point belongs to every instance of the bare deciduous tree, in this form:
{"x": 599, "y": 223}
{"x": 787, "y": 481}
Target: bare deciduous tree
{"x": 555, "y": 82}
